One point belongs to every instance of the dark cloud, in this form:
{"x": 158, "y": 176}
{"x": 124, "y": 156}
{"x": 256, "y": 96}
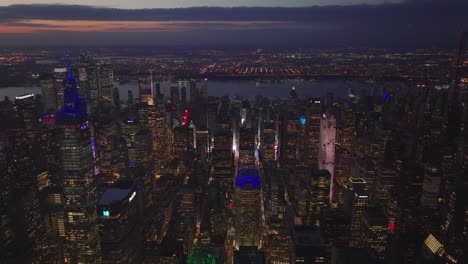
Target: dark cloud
{"x": 418, "y": 23}
{"x": 22, "y": 24}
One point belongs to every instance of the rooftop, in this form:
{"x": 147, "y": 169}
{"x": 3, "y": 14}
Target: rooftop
{"x": 116, "y": 194}
{"x": 248, "y": 179}
{"x": 307, "y": 236}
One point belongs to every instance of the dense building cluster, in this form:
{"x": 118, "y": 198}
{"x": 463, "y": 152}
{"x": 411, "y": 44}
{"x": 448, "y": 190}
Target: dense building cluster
{"x": 184, "y": 177}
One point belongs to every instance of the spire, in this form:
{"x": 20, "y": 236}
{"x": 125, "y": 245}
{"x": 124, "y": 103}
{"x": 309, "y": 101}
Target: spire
{"x": 69, "y": 66}
{"x": 152, "y": 88}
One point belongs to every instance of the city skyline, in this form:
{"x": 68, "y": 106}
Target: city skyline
{"x": 232, "y": 133}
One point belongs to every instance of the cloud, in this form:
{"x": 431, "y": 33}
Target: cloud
{"x": 25, "y": 24}
{"x": 415, "y": 23}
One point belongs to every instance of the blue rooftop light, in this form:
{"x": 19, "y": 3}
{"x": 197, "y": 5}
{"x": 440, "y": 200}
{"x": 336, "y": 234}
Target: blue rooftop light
{"x": 385, "y": 96}
{"x": 248, "y": 179}
{"x": 302, "y": 120}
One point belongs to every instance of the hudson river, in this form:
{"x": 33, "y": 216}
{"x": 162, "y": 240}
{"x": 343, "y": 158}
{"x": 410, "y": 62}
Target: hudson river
{"x": 247, "y": 89}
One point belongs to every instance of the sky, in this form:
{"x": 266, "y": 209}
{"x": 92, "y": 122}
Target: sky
{"x": 136, "y": 4}
{"x": 249, "y": 23}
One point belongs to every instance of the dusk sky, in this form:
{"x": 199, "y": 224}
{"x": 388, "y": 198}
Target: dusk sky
{"x": 191, "y": 3}
{"x": 232, "y": 23}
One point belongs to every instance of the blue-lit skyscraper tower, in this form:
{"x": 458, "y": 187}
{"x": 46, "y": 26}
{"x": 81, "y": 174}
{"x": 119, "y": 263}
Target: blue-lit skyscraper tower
{"x": 77, "y": 177}
{"x": 247, "y": 208}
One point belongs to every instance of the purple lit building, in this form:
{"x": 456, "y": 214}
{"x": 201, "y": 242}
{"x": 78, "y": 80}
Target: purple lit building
{"x": 247, "y": 208}
{"x": 81, "y": 243}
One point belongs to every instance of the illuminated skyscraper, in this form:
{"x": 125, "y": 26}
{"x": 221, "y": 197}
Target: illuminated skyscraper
{"x": 105, "y": 78}
{"x": 385, "y": 179}
{"x": 59, "y": 75}
{"x": 431, "y": 187}
{"x": 77, "y": 177}
{"x": 268, "y": 146}
{"x": 374, "y": 225}
{"x": 327, "y": 147}
{"x": 357, "y": 199}
{"x": 183, "y": 140}
{"x": 222, "y": 156}
{"x": 204, "y": 89}
{"x": 247, "y": 208}
{"x": 48, "y": 94}
{"x": 310, "y": 128}
{"x": 117, "y": 210}
{"x": 246, "y": 147}
{"x": 320, "y": 193}
{"x": 289, "y": 140}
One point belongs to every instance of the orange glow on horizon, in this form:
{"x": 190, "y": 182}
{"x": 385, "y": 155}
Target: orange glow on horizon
{"x": 37, "y": 26}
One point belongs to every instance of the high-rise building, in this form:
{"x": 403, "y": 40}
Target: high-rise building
{"x": 48, "y": 94}
{"x": 183, "y": 95}
{"x": 105, "y": 78}
{"x": 247, "y": 208}
{"x": 77, "y": 179}
{"x": 431, "y": 187}
{"x": 120, "y": 233}
{"x": 193, "y": 91}
{"x": 320, "y": 193}
{"x": 308, "y": 245}
{"x": 289, "y": 140}
{"x": 335, "y": 224}
{"x": 374, "y": 230}
{"x": 59, "y": 75}
{"x": 183, "y": 140}
{"x": 386, "y": 178}
{"x": 309, "y": 147}
{"x": 204, "y": 89}
{"x": 327, "y": 147}
{"x": 460, "y": 58}
{"x": 247, "y": 147}
{"x": 356, "y": 198}
{"x": 222, "y": 156}
{"x": 269, "y": 144}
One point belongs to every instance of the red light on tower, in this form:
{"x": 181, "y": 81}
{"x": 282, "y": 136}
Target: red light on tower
{"x": 185, "y": 118}
{"x": 391, "y": 226}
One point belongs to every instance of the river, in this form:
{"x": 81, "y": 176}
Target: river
{"x": 246, "y": 89}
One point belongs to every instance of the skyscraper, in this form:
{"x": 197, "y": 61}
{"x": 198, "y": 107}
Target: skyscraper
{"x": 121, "y": 240}
{"x": 460, "y": 58}
{"x": 320, "y": 193}
{"x": 247, "y": 147}
{"x": 327, "y": 147}
{"x": 356, "y": 199}
{"x": 289, "y": 140}
{"x": 247, "y": 208}
{"x": 374, "y": 230}
{"x": 77, "y": 178}
{"x": 431, "y": 187}
{"x": 48, "y": 94}
{"x": 204, "y": 89}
